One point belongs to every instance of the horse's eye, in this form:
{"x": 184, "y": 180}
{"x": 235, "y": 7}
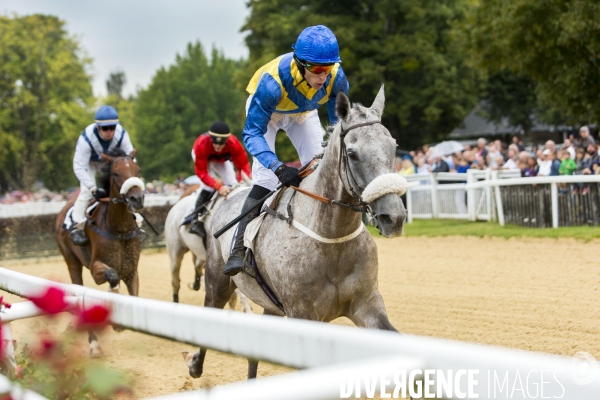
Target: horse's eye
{"x": 352, "y": 155}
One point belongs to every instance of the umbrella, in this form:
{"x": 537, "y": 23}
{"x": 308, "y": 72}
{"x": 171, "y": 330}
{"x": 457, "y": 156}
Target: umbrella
{"x": 448, "y": 147}
{"x": 192, "y": 180}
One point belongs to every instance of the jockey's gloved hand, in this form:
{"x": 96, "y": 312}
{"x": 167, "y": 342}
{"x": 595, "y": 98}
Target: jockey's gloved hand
{"x": 288, "y": 176}
{"x": 98, "y": 193}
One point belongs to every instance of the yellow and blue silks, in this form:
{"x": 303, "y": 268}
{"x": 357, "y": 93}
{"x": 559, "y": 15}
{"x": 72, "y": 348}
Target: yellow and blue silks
{"x": 278, "y": 87}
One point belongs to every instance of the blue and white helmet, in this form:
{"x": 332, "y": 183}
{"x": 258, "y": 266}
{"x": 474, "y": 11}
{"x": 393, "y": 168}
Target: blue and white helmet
{"x": 317, "y": 44}
{"x": 106, "y": 116}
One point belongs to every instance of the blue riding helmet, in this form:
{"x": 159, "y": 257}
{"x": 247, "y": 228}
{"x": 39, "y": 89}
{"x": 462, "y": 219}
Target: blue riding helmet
{"x": 317, "y": 44}
{"x": 106, "y": 116}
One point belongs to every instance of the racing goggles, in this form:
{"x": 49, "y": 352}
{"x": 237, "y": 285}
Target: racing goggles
{"x": 318, "y": 69}
{"x": 108, "y": 128}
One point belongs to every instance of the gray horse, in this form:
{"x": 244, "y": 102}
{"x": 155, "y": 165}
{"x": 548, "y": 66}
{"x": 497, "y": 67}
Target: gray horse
{"x": 330, "y": 269}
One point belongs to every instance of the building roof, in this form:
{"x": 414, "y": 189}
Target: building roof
{"x": 476, "y": 124}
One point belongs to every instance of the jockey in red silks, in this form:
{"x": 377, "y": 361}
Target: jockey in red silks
{"x": 213, "y": 154}
{"x": 285, "y": 94}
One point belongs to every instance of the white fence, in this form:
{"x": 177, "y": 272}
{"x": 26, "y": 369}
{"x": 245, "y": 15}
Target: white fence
{"x": 477, "y": 195}
{"x": 42, "y": 208}
{"x": 496, "y": 184}
{"x": 332, "y": 355}
{"x": 444, "y": 195}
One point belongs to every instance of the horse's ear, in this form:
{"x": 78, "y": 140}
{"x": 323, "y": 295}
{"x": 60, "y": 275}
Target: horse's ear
{"x": 132, "y": 154}
{"x": 342, "y": 105}
{"x": 379, "y": 102}
{"x": 107, "y": 159}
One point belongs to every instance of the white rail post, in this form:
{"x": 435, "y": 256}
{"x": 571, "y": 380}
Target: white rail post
{"x": 471, "y": 206}
{"x": 499, "y": 206}
{"x": 409, "y": 205}
{"x": 554, "y": 196}
{"x": 434, "y": 197}
{"x": 488, "y": 195}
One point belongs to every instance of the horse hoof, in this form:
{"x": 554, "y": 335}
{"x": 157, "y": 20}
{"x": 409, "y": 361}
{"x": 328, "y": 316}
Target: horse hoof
{"x": 118, "y": 328}
{"x": 193, "y": 286}
{"x": 95, "y": 349}
{"x": 191, "y": 361}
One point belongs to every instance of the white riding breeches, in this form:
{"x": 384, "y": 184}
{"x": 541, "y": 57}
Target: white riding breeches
{"x": 85, "y": 195}
{"x": 305, "y": 133}
{"x": 220, "y": 170}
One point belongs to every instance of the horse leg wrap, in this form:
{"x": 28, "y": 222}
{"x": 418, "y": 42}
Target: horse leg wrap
{"x": 112, "y": 277}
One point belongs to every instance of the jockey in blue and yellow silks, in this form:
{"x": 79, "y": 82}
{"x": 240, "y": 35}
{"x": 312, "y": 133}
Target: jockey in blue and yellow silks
{"x": 285, "y": 94}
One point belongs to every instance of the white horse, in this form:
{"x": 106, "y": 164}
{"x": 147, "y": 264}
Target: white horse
{"x": 180, "y": 241}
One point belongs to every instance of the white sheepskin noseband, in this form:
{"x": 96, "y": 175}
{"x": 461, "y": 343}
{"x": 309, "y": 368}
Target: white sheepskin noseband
{"x": 382, "y": 185}
{"x": 131, "y": 182}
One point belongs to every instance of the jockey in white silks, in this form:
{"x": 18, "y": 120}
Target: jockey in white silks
{"x": 285, "y": 94}
{"x": 104, "y": 135}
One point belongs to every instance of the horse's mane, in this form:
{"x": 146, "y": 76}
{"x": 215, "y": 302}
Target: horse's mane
{"x": 103, "y": 177}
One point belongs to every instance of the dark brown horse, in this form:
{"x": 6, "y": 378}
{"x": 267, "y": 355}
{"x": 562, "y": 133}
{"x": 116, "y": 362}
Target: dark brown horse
{"x": 113, "y": 252}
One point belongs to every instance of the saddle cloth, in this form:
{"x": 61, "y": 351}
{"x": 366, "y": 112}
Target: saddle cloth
{"x": 68, "y": 222}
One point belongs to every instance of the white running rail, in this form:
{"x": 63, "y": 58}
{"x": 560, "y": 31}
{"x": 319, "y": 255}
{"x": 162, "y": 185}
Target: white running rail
{"x": 495, "y": 184}
{"x": 331, "y": 353}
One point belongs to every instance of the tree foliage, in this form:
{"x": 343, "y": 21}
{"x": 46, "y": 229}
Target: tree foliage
{"x": 408, "y": 45}
{"x": 115, "y": 82}
{"x": 44, "y": 92}
{"x": 555, "y": 43}
{"x": 512, "y": 96}
{"x": 181, "y": 103}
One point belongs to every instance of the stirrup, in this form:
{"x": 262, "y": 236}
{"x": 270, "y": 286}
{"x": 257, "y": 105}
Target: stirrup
{"x": 78, "y": 237}
{"x": 248, "y": 268}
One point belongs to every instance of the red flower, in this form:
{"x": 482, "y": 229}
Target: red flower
{"x": 51, "y": 302}
{"x": 95, "y": 317}
{"x": 4, "y": 303}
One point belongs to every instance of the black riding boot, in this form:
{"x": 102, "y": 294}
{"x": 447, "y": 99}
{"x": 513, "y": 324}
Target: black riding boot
{"x": 78, "y": 237}
{"x": 235, "y": 263}
{"x": 197, "y": 227}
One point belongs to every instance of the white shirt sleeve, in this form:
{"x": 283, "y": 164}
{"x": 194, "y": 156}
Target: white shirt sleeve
{"x": 81, "y": 163}
{"x": 126, "y": 143}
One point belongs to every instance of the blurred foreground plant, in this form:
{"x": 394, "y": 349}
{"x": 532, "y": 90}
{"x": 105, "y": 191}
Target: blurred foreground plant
{"x": 55, "y": 368}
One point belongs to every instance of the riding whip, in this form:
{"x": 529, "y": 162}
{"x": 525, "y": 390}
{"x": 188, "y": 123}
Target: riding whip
{"x": 242, "y": 215}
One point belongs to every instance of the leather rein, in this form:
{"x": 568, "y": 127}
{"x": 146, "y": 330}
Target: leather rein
{"x": 361, "y": 206}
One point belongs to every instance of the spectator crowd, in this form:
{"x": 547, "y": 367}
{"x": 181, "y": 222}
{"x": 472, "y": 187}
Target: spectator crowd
{"x": 576, "y": 156}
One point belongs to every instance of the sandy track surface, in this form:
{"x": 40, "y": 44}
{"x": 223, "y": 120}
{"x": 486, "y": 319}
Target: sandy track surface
{"x": 532, "y": 294}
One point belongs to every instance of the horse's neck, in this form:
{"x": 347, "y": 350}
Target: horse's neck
{"x": 325, "y": 219}
{"x": 118, "y": 219}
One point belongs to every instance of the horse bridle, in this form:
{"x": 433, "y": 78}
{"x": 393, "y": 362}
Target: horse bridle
{"x": 121, "y": 198}
{"x": 362, "y": 205}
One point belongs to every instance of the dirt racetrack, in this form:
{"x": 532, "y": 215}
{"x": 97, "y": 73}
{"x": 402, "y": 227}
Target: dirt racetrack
{"x": 532, "y": 294}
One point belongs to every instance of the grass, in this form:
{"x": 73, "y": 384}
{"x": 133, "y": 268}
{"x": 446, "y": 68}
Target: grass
{"x": 446, "y": 227}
